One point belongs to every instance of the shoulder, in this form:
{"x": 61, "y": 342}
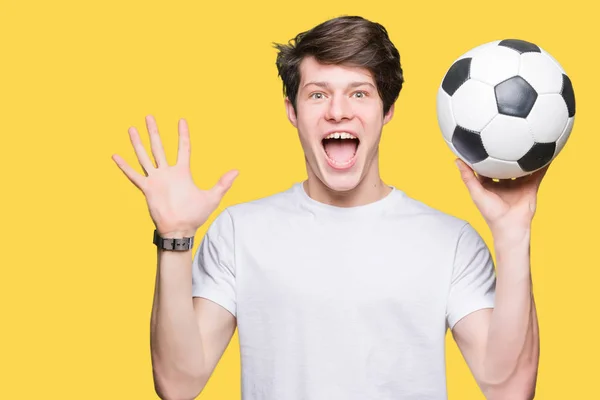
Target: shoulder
{"x": 275, "y": 204}
{"x": 419, "y": 213}
{"x": 461, "y": 238}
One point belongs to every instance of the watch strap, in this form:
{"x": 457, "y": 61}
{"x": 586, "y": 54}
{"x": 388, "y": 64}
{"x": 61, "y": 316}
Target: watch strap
{"x": 176, "y": 244}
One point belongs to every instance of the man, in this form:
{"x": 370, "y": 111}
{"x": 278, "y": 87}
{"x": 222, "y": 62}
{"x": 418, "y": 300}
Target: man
{"x": 341, "y": 287}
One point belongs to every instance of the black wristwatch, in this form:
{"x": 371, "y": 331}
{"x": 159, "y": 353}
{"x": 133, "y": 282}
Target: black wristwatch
{"x": 180, "y": 244}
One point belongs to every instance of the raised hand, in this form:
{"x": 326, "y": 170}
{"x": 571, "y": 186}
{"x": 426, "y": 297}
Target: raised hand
{"x": 177, "y": 206}
{"x": 505, "y": 205}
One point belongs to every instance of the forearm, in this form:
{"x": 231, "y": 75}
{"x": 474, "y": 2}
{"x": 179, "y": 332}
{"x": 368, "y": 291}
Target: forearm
{"x": 176, "y": 346}
{"x": 512, "y": 352}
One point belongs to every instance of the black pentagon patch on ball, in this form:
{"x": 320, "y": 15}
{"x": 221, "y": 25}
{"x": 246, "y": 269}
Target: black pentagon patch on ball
{"x": 520, "y": 46}
{"x": 469, "y": 145}
{"x": 515, "y": 97}
{"x": 569, "y": 95}
{"x": 538, "y": 156}
{"x": 458, "y": 74}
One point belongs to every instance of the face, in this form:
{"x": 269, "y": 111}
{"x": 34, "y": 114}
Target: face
{"x": 339, "y": 117}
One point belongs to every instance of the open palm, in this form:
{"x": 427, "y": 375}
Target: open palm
{"x": 175, "y": 203}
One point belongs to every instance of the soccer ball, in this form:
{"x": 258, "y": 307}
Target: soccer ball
{"x": 506, "y": 108}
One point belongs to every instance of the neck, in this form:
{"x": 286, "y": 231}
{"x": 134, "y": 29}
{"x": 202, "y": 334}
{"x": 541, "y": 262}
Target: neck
{"x": 370, "y": 189}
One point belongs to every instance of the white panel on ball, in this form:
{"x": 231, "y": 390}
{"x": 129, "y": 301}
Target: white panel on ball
{"x": 495, "y": 64}
{"x": 476, "y": 50}
{"x": 554, "y": 60}
{"x": 444, "y": 113}
{"x": 498, "y": 169}
{"x": 560, "y": 143}
{"x": 474, "y": 105}
{"x": 541, "y": 72}
{"x": 507, "y": 138}
{"x": 548, "y": 118}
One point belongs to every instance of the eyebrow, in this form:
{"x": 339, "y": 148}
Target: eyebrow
{"x": 350, "y": 85}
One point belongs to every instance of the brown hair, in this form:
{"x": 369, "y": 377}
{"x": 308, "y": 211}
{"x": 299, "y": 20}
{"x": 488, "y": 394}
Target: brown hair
{"x": 347, "y": 40}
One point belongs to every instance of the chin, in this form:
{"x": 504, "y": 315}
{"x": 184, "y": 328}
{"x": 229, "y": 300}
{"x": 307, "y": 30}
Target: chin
{"x": 341, "y": 179}
{"x": 341, "y": 182}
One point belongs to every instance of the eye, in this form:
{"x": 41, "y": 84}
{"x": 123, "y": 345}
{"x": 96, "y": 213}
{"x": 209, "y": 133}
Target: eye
{"x": 317, "y": 95}
{"x": 360, "y": 94}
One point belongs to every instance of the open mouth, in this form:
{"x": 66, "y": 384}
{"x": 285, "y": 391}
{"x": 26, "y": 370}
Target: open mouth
{"x": 340, "y": 149}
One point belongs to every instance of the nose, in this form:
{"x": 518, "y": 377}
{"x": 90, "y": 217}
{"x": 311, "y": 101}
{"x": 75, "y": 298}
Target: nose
{"x": 338, "y": 109}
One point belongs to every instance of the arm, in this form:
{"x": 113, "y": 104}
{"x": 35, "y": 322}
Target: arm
{"x": 188, "y": 335}
{"x": 501, "y": 346}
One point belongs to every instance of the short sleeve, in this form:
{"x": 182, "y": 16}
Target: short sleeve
{"x": 213, "y": 267}
{"x": 473, "y": 284}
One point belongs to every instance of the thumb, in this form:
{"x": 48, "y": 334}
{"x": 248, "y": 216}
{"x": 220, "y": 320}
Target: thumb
{"x": 224, "y": 184}
{"x": 468, "y": 176}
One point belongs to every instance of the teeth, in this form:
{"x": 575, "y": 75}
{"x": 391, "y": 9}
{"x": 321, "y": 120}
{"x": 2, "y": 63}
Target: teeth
{"x": 341, "y": 164}
{"x": 340, "y": 135}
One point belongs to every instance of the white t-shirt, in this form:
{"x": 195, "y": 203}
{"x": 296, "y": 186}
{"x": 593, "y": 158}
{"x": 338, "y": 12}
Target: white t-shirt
{"x": 336, "y": 303}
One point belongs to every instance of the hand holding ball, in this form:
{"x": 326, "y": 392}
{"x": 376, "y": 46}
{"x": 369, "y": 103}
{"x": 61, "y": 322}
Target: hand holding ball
{"x": 506, "y": 108}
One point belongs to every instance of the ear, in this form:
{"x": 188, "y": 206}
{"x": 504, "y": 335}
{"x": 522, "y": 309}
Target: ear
{"x": 291, "y": 114}
{"x": 387, "y": 117}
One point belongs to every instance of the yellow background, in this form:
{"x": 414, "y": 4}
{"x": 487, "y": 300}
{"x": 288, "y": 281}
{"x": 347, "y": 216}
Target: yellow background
{"x": 77, "y": 262}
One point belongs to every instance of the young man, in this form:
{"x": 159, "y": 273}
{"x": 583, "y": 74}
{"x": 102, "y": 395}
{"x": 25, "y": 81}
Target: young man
{"x": 342, "y": 287}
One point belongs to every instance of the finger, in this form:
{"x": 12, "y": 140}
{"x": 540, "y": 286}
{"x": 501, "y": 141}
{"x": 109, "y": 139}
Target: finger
{"x": 534, "y": 180}
{"x": 474, "y": 186}
{"x": 184, "y": 150}
{"x": 539, "y": 174}
{"x": 140, "y": 151}
{"x": 224, "y": 184}
{"x": 129, "y": 172}
{"x": 155, "y": 143}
